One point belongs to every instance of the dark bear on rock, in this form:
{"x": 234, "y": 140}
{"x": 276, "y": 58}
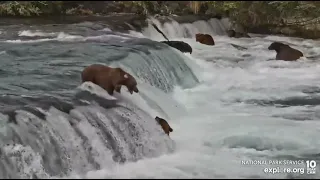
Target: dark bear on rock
{"x": 233, "y": 33}
{"x": 164, "y": 124}
{"x": 285, "y": 52}
{"x": 180, "y": 45}
{"x": 204, "y": 39}
{"x": 108, "y": 78}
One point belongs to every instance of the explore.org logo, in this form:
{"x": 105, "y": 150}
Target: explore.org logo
{"x": 284, "y": 166}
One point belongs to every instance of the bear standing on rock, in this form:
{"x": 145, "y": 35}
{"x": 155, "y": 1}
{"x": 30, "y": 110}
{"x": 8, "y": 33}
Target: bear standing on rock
{"x": 285, "y": 52}
{"x": 205, "y": 39}
{"x": 108, "y": 78}
{"x": 164, "y": 124}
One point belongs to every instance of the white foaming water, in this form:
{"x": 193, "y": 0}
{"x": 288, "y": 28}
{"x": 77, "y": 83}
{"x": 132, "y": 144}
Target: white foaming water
{"x": 61, "y": 36}
{"x": 19, "y": 152}
{"x": 217, "y": 132}
{"x": 35, "y": 33}
{"x": 175, "y": 30}
{"x": 88, "y": 86}
{"x": 214, "y": 128}
{"x": 106, "y": 29}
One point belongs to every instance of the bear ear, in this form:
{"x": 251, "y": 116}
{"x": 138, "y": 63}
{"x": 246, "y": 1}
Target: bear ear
{"x": 170, "y": 129}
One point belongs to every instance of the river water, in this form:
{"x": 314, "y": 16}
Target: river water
{"x": 227, "y": 106}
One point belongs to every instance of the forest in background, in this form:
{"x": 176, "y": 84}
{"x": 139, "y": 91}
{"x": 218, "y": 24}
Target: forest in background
{"x": 293, "y": 18}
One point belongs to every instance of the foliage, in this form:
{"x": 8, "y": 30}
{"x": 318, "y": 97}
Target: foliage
{"x": 78, "y": 10}
{"x": 300, "y": 17}
{"x": 245, "y": 13}
{"x": 38, "y": 8}
{"x": 258, "y": 13}
{"x": 30, "y": 8}
{"x": 148, "y": 7}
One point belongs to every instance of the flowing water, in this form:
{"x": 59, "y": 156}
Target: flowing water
{"x": 227, "y": 106}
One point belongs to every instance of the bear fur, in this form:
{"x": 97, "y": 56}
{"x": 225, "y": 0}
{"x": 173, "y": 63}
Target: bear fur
{"x": 180, "y": 45}
{"x": 109, "y": 78}
{"x": 164, "y": 124}
{"x": 285, "y": 52}
{"x": 205, "y": 39}
{"x": 233, "y": 33}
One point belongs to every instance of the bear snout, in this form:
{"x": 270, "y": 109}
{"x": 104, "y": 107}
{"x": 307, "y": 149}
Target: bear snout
{"x": 135, "y": 89}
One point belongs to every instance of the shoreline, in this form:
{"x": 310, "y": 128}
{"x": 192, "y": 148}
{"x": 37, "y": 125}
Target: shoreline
{"x": 67, "y": 19}
{"x": 128, "y": 21}
{"x": 64, "y": 19}
{"x": 116, "y": 21}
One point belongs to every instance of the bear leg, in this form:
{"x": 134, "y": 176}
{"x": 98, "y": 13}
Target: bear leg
{"x": 110, "y": 90}
{"x": 118, "y": 88}
{"x": 108, "y": 87}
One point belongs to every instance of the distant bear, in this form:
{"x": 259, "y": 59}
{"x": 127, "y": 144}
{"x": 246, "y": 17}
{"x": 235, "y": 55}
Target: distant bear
{"x": 204, "y": 39}
{"x": 233, "y": 33}
{"x": 109, "y": 78}
{"x": 285, "y": 52}
{"x": 164, "y": 124}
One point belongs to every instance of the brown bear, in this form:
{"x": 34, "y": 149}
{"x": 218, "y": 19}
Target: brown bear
{"x": 285, "y": 52}
{"x": 108, "y": 78}
{"x": 233, "y": 33}
{"x": 204, "y": 39}
{"x": 164, "y": 124}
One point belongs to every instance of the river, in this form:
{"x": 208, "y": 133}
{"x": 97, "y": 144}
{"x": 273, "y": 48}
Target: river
{"x": 225, "y": 105}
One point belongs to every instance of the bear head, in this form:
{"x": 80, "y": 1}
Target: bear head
{"x": 277, "y": 46}
{"x": 198, "y": 36}
{"x": 126, "y": 79}
{"x": 231, "y": 33}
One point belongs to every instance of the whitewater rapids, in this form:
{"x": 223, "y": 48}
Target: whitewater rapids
{"x": 225, "y": 105}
